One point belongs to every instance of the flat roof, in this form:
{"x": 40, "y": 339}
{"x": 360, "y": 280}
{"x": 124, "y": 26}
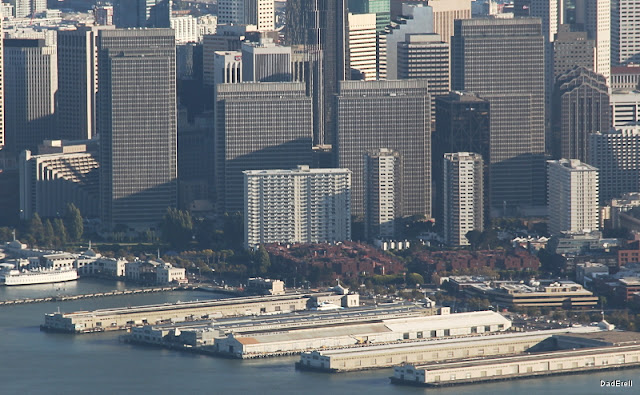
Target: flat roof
{"x": 616, "y": 338}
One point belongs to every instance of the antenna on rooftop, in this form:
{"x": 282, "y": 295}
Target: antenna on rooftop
{"x": 14, "y": 235}
{"x": 158, "y": 253}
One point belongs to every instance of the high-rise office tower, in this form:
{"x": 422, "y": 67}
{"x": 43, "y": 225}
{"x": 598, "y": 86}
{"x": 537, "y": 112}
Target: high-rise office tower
{"x": 464, "y": 196}
{"x": 581, "y": 98}
{"x": 625, "y": 35}
{"x": 382, "y": 9}
{"x": 511, "y": 77}
{"x": 382, "y": 194}
{"x": 258, "y": 127}
{"x": 616, "y": 154}
{"x": 103, "y": 15}
{"x": 297, "y": 206}
{"x": 393, "y": 115}
{"x": 227, "y": 38}
{"x": 362, "y": 46}
{"x": 136, "y": 121}
{"x": 594, "y": 16}
{"x": 416, "y": 19}
{"x": 571, "y": 49}
{"x": 77, "y": 83}
{"x": 228, "y": 67}
{"x": 260, "y": 13}
{"x": 142, "y": 13}
{"x": 26, "y": 8}
{"x": 447, "y": 11}
{"x": 266, "y": 62}
{"x": 30, "y": 85}
{"x": 424, "y": 56}
{"x": 322, "y": 27}
{"x": 462, "y": 125}
{"x": 573, "y": 196}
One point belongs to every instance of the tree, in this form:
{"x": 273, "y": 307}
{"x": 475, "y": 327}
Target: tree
{"x": 177, "y": 228}
{"x": 262, "y": 262}
{"x": 48, "y": 235}
{"x": 414, "y": 279}
{"x": 73, "y": 222}
{"x": 474, "y": 237}
{"x": 60, "y": 232}
{"x": 36, "y": 228}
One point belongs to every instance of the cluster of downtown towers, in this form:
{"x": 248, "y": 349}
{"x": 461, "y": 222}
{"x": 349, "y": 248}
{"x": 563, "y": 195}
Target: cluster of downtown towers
{"x": 496, "y": 72}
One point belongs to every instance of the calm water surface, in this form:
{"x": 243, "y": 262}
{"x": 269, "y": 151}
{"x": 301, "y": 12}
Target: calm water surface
{"x": 34, "y": 362}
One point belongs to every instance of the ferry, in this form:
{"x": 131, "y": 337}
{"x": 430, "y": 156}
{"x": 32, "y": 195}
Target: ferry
{"x": 37, "y": 276}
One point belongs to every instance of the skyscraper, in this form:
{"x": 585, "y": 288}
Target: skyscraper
{"x": 142, "y": 13}
{"x": 616, "y": 154}
{"x": 258, "y": 127}
{"x": 266, "y": 62}
{"x": 594, "y": 16}
{"x": 571, "y": 49}
{"x": 260, "y": 13}
{"x": 362, "y": 46}
{"x": 297, "y": 206}
{"x": 322, "y": 27}
{"x": 581, "y": 99}
{"x": 462, "y": 125}
{"x": 625, "y": 35}
{"x": 382, "y": 194}
{"x": 511, "y": 77}
{"x": 447, "y": 11}
{"x": 381, "y": 8}
{"x": 136, "y": 121}
{"x": 573, "y": 196}
{"x": 77, "y": 83}
{"x": 464, "y": 196}
{"x": 393, "y": 115}
{"x": 30, "y": 85}
{"x": 424, "y": 56}
{"x": 416, "y": 19}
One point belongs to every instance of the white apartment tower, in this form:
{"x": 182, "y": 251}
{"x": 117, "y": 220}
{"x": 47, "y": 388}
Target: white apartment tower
{"x": 463, "y": 196}
{"x": 362, "y": 45}
{"x": 382, "y": 194}
{"x": 625, "y": 34}
{"x": 573, "y": 196}
{"x": 248, "y": 12}
{"x": 297, "y": 206}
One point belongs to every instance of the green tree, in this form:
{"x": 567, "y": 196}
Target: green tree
{"x": 177, "y": 228}
{"x": 73, "y": 222}
{"x": 414, "y": 278}
{"x": 60, "y": 232}
{"x": 36, "y": 228}
{"x": 48, "y": 234}
{"x": 262, "y": 261}
{"x": 474, "y": 237}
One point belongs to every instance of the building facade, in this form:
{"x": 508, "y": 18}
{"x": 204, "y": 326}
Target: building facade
{"x": 581, "y": 102}
{"x": 363, "y": 45}
{"x": 625, "y": 36}
{"x": 616, "y": 154}
{"x": 297, "y": 206}
{"x": 266, "y": 62}
{"x": 625, "y": 108}
{"x": 393, "y": 115}
{"x": 463, "y": 196}
{"x": 445, "y": 12}
{"x": 258, "y": 127}
{"x": 571, "y": 49}
{"x": 417, "y": 18}
{"x": 137, "y": 123}
{"x": 260, "y": 13}
{"x": 30, "y": 86}
{"x": 382, "y": 194}
{"x": 573, "y": 196}
{"x": 511, "y": 77}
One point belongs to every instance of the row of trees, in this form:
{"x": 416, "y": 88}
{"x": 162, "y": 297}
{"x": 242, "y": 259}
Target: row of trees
{"x": 55, "y": 232}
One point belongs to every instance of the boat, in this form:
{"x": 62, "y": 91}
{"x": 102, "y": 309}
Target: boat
{"x": 37, "y": 276}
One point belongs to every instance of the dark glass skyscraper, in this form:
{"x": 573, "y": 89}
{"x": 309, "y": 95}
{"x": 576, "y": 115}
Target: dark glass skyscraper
{"x": 502, "y": 60}
{"x": 322, "y": 25}
{"x": 136, "y": 122}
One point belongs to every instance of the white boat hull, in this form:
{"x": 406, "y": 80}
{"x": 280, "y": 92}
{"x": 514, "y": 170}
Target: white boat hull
{"x": 38, "y": 277}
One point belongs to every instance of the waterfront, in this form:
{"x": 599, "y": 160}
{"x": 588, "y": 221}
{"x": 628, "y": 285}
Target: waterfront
{"x": 34, "y": 362}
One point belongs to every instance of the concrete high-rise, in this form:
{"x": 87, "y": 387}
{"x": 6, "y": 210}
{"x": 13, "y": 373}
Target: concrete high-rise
{"x": 416, "y": 19}
{"x": 142, "y": 13}
{"x": 30, "y": 85}
{"x": 258, "y": 127}
{"x": 266, "y": 62}
{"x": 228, "y": 67}
{"x": 462, "y": 125}
{"x": 594, "y": 16}
{"x": 571, "y": 49}
{"x": 424, "y": 56}
{"x": 382, "y": 11}
{"x": 625, "y": 108}
{"x": 136, "y": 121}
{"x": 393, "y": 115}
{"x": 362, "y": 46}
{"x": 616, "y": 154}
{"x": 625, "y": 35}
{"x": 573, "y": 196}
{"x": 27, "y": 8}
{"x": 322, "y": 27}
{"x": 445, "y": 12}
{"x": 260, "y": 13}
{"x": 464, "y": 196}
{"x": 297, "y": 206}
{"x": 511, "y": 77}
{"x": 77, "y": 83}
{"x": 581, "y": 100}
{"x": 382, "y": 194}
